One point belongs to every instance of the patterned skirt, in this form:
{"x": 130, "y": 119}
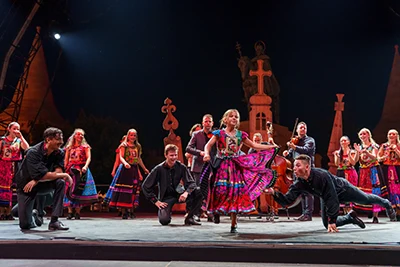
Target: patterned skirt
{"x": 6, "y": 176}
{"x": 126, "y": 191}
{"x": 240, "y": 180}
{"x": 350, "y": 174}
{"x": 371, "y": 182}
{"x": 391, "y": 174}
{"x": 108, "y": 196}
{"x": 83, "y": 190}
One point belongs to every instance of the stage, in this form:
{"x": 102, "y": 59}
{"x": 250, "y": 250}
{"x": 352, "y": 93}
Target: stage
{"x": 103, "y": 236}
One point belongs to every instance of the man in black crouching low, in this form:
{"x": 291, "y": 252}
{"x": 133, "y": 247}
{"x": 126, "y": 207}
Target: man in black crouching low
{"x": 167, "y": 176}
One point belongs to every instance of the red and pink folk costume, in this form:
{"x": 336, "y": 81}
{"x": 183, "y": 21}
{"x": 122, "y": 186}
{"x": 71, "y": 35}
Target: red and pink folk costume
{"x": 370, "y": 178}
{"x": 239, "y": 180}
{"x": 391, "y": 173}
{"x": 10, "y": 153}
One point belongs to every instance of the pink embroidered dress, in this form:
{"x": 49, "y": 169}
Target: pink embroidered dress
{"x": 391, "y": 172}
{"x": 346, "y": 170}
{"x": 239, "y": 180}
{"x": 10, "y": 152}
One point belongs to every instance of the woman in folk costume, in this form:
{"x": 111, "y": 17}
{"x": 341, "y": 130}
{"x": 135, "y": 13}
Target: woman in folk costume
{"x": 125, "y": 194}
{"x": 238, "y": 180}
{"x": 11, "y": 146}
{"x": 389, "y": 155}
{"x": 76, "y": 163}
{"x": 370, "y": 178}
{"x": 345, "y": 160}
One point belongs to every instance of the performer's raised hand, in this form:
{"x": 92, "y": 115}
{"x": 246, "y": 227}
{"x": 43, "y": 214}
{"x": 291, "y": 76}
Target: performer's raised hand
{"x": 357, "y": 147}
{"x": 17, "y": 133}
{"x": 291, "y": 145}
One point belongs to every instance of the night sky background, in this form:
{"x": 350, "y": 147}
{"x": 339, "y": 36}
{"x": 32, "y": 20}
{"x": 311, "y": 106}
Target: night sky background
{"x": 121, "y": 59}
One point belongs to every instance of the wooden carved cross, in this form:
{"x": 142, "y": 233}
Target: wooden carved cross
{"x": 339, "y": 106}
{"x": 260, "y": 73}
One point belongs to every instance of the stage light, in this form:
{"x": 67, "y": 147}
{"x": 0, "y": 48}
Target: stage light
{"x": 57, "y": 36}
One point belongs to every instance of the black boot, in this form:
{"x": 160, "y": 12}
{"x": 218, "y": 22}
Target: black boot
{"x": 234, "y": 229}
{"x": 355, "y": 219}
{"x": 391, "y": 213}
{"x": 216, "y": 219}
{"x": 191, "y": 221}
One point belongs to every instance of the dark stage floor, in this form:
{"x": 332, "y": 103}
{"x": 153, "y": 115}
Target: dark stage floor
{"x": 103, "y": 237}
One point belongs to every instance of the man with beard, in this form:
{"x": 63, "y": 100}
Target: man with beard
{"x": 196, "y": 146}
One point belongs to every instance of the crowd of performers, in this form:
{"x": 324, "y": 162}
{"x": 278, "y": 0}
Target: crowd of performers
{"x": 220, "y": 179}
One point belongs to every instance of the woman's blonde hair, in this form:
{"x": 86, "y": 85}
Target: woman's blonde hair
{"x": 397, "y": 133}
{"x": 225, "y": 116}
{"x": 371, "y": 140}
{"x": 193, "y": 129}
{"x": 71, "y": 139}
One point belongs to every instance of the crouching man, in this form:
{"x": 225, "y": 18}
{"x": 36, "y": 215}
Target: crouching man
{"x": 168, "y": 176}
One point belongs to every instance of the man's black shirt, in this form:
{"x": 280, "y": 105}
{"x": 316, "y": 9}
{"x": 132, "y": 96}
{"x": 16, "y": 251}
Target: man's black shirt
{"x": 167, "y": 179}
{"x": 321, "y": 183}
{"x": 37, "y": 163}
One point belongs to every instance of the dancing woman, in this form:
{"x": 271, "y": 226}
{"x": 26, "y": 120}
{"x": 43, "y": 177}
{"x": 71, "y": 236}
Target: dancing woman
{"x": 125, "y": 194}
{"x": 76, "y": 162}
{"x": 238, "y": 180}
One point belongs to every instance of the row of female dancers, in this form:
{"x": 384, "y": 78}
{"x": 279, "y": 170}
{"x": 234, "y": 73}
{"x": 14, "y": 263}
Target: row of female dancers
{"x": 379, "y": 168}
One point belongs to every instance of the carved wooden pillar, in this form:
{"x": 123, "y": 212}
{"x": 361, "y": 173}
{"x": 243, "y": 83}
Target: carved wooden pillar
{"x": 337, "y": 132}
{"x": 170, "y": 124}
